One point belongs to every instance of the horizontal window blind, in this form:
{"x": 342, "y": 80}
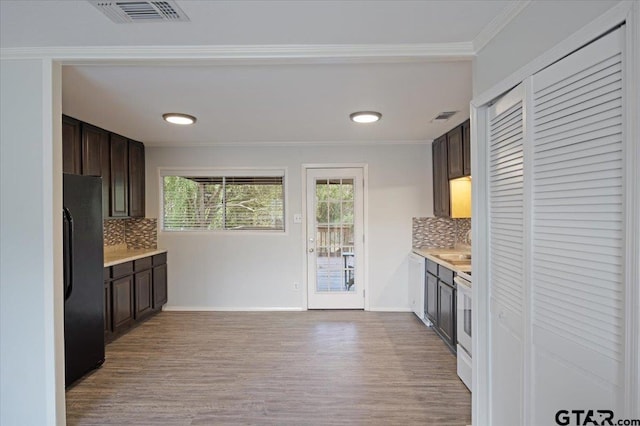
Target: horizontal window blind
{"x": 201, "y": 203}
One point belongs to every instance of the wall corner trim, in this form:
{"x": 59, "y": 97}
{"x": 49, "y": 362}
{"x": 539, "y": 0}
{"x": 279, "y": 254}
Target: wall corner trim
{"x": 498, "y": 23}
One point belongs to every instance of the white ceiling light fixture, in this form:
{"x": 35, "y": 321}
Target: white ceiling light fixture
{"x": 178, "y": 118}
{"x": 365, "y": 116}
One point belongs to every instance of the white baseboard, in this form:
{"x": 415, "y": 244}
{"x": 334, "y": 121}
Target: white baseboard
{"x": 228, "y": 309}
{"x": 262, "y": 309}
{"x": 390, "y": 309}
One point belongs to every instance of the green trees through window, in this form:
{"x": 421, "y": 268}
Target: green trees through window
{"x": 223, "y": 203}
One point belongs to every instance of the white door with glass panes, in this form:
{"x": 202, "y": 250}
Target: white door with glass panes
{"x": 335, "y": 210}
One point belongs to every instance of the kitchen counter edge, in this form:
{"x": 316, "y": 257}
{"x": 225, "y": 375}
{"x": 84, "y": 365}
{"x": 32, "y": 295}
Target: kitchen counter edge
{"x": 116, "y": 258}
{"x": 430, "y": 254}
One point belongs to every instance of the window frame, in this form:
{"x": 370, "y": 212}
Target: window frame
{"x": 223, "y": 172}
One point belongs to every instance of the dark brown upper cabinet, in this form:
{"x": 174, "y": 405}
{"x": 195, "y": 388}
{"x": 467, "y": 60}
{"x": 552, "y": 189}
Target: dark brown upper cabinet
{"x": 136, "y": 179}
{"x": 95, "y": 159}
{"x": 92, "y": 151}
{"x": 71, "y": 146}
{"x": 440, "y": 178}
{"x": 466, "y": 148}
{"x": 451, "y": 160}
{"x": 119, "y": 170}
{"x": 454, "y": 155}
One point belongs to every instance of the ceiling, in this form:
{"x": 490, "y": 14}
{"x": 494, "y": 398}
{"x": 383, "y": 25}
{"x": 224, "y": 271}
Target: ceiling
{"x": 262, "y": 71}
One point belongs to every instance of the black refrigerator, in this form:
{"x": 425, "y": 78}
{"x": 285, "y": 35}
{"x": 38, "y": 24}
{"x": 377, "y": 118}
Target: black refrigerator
{"x": 83, "y": 278}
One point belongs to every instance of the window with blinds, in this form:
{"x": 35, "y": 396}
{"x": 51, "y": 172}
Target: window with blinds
{"x": 227, "y": 202}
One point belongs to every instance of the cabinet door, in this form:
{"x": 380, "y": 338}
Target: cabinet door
{"x": 454, "y": 152}
{"x": 122, "y": 302}
{"x": 159, "y": 286}
{"x": 95, "y": 159}
{"x": 119, "y": 191}
{"x": 431, "y": 299}
{"x": 440, "y": 178}
{"x": 71, "y": 146}
{"x": 143, "y": 293}
{"x": 136, "y": 179}
{"x": 107, "y": 309}
{"x": 446, "y": 313}
{"x": 466, "y": 148}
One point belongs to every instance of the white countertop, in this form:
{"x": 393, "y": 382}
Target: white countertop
{"x": 115, "y": 257}
{"x": 430, "y": 253}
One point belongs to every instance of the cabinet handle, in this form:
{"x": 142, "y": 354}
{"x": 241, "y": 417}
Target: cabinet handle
{"x": 68, "y": 252}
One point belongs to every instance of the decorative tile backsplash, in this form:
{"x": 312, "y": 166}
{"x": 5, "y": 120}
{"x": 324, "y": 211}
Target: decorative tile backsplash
{"x": 135, "y": 233}
{"x": 462, "y": 227}
{"x": 113, "y": 231}
{"x": 439, "y": 232}
{"x": 141, "y": 233}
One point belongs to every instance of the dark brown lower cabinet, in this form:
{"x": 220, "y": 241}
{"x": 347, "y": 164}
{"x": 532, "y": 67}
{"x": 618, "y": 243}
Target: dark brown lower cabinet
{"x": 107, "y": 310}
{"x": 431, "y": 298}
{"x": 143, "y": 293}
{"x": 133, "y": 291}
{"x": 122, "y": 303}
{"x": 447, "y": 313}
{"x": 440, "y": 302}
{"x": 159, "y": 286}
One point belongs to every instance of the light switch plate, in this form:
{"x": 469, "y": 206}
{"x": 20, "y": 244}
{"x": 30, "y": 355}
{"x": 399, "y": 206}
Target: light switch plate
{"x": 297, "y": 218}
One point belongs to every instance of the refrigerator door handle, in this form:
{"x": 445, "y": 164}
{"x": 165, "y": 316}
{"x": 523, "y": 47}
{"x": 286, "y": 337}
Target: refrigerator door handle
{"x": 67, "y": 251}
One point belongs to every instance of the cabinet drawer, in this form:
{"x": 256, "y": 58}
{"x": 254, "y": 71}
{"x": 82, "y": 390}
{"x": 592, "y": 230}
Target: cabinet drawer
{"x": 159, "y": 259}
{"x": 432, "y": 267}
{"x": 142, "y": 264}
{"x": 121, "y": 270}
{"x": 445, "y": 274}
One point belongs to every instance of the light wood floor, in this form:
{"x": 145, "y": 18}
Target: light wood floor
{"x": 274, "y": 368}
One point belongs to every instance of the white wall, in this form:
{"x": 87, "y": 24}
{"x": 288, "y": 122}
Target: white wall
{"x": 235, "y": 271}
{"x": 538, "y": 28}
{"x": 31, "y": 307}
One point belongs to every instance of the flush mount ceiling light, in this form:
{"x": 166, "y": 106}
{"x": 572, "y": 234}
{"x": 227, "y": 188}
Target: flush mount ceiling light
{"x": 365, "y": 116}
{"x": 177, "y": 118}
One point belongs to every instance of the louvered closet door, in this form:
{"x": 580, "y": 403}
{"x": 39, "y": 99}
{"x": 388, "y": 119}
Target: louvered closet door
{"x": 506, "y": 257}
{"x": 577, "y": 253}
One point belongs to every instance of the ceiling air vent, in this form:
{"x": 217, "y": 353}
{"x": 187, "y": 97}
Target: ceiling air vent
{"x": 134, "y": 11}
{"x": 444, "y": 116}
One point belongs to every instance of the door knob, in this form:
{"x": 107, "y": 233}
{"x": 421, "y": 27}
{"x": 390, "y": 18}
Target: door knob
{"x": 310, "y": 250}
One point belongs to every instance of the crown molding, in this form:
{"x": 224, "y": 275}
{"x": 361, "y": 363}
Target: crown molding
{"x": 293, "y": 53}
{"x": 243, "y": 54}
{"x": 254, "y": 144}
{"x": 498, "y": 23}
